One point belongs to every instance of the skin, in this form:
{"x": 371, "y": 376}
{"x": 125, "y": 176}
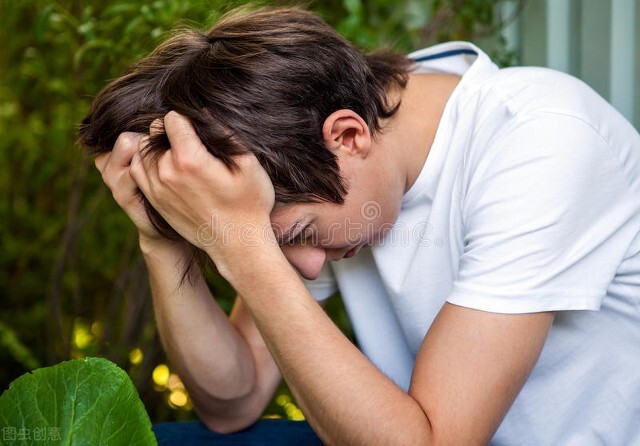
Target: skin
{"x": 470, "y": 367}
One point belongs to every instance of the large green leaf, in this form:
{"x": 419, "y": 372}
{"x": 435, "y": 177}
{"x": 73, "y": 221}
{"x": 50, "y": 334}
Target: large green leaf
{"x": 81, "y": 402}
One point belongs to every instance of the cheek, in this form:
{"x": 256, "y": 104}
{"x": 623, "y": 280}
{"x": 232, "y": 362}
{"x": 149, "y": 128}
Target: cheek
{"x": 370, "y": 231}
{"x": 382, "y": 230}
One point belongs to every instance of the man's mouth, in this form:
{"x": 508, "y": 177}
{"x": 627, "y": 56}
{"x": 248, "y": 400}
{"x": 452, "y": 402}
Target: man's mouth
{"x": 352, "y": 252}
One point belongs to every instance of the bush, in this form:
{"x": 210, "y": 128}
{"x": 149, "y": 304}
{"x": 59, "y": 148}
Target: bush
{"x": 72, "y": 282}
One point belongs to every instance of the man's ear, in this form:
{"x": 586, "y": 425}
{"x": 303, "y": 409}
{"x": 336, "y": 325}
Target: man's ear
{"x": 347, "y": 130}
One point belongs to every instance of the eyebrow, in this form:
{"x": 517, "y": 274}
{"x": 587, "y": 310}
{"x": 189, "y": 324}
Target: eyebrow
{"x": 288, "y": 234}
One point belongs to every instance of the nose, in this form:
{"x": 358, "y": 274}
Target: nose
{"x": 307, "y": 260}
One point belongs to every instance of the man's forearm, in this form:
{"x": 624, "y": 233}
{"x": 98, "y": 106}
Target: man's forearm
{"x": 210, "y": 355}
{"x": 345, "y": 397}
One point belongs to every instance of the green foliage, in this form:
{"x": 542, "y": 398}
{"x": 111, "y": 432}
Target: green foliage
{"x": 10, "y": 342}
{"x": 72, "y": 282}
{"x": 85, "y": 401}
{"x": 479, "y": 21}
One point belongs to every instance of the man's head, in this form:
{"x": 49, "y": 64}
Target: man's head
{"x": 263, "y": 81}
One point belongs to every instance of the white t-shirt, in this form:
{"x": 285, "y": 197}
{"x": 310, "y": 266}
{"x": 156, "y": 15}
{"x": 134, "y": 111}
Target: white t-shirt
{"x": 528, "y": 201}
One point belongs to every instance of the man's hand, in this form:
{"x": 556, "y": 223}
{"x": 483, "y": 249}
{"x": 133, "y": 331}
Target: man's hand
{"x": 223, "y": 361}
{"x": 114, "y": 167}
{"x": 194, "y": 190}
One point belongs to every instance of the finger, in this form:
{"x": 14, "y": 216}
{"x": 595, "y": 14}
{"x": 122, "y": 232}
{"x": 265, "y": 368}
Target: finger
{"x": 125, "y": 188}
{"x": 156, "y": 127}
{"x": 126, "y": 145}
{"x": 143, "y": 144}
{"x": 148, "y": 160}
{"x": 102, "y": 160}
{"x": 249, "y": 165}
{"x": 139, "y": 174}
{"x": 247, "y": 161}
{"x": 185, "y": 144}
{"x": 180, "y": 132}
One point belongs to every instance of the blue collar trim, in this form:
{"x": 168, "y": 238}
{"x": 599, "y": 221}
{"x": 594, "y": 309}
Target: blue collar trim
{"x": 446, "y": 54}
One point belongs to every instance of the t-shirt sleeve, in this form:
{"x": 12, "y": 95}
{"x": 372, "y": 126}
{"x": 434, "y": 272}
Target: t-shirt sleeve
{"x": 324, "y": 286}
{"x": 545, "y": 220}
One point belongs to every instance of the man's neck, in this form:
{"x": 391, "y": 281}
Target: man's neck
{"x": 410, "y": 134}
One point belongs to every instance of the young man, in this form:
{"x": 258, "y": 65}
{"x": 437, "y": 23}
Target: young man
{"x": 482, "y": 225}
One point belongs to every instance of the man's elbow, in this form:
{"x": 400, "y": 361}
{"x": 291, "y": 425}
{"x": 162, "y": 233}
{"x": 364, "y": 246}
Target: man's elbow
{"x": 230, "y": 417}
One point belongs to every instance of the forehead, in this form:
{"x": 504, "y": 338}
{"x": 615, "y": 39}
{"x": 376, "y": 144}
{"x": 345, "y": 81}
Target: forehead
{"x": 285, "y": 215}
{"x": 288, "y": 213}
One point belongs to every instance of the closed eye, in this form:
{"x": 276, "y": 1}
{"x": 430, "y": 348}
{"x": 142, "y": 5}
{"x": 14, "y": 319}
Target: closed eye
{"x": 301, "y": 236}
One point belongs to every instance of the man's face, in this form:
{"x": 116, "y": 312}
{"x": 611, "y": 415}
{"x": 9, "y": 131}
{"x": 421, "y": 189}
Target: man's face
{"x": 312, "y": 233}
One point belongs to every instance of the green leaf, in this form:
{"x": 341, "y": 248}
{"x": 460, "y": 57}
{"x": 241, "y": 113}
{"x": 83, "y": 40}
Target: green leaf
{"x": 41, "y": 23}
{"x": 86, "y": 401}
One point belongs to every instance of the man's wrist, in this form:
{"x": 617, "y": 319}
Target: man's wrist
{"x": 248, "y": 260}
{"x": 161, "y": 247}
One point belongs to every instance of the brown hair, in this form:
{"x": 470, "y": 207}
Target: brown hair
{"x": 262, "y": 81}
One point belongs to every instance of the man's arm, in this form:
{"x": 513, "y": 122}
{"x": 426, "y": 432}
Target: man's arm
{"x": 224, "y": 363}
{"x": 470, "y": 368}
{"x": 468, "y": 372}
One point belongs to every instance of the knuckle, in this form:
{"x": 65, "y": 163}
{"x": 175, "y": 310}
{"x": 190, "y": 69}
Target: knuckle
{"x": 248, "y": 162}
{"x": 165, "y": 175}
{"x": 133, "y": 169}
{"x": 184, "y": 164}
{"x": 100, "y": 161}
{"x": 127, "y": 141}
{"x": 171, "y": 115}
{"x": 134, "y": 173}
{"x": 107, "y": 180}
{"x": 137, "y": 166}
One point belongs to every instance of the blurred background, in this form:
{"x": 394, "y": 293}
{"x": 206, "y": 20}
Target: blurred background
{"x": 72, "y": 282}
